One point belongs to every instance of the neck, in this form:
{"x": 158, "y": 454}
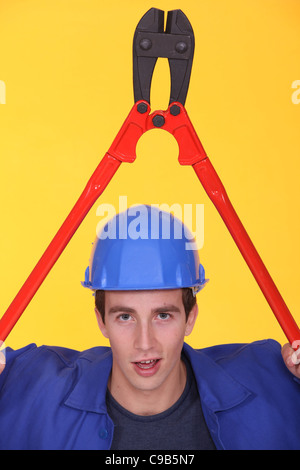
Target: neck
{"x": 149, "y": 402}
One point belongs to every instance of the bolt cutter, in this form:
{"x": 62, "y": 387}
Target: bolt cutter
{"x": 176, "y": 43}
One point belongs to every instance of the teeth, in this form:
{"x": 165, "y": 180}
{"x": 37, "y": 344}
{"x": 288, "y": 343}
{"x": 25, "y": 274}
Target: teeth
{"x": 146, "y": 364}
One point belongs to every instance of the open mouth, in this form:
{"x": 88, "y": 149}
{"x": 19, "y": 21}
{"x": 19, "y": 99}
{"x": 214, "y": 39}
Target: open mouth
{"x": 147, "y": 364}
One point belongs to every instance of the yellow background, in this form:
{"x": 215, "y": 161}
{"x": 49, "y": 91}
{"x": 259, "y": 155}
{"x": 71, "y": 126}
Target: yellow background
{"x": 67, "y": 67}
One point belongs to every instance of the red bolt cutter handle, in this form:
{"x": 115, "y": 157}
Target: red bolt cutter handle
{"x": 217, "y": 194}
{"x": 176, "y": 121}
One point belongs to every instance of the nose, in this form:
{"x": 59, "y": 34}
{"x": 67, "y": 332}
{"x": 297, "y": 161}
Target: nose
{"x": 144, "y": 337}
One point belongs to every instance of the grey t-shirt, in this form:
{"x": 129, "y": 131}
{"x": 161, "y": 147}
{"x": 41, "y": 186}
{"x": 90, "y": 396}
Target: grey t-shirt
{"x": 181, "y": 427}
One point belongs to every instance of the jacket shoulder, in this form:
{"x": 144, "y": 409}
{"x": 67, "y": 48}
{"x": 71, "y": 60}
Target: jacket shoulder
{"x": 230, "y": 352}
{"x": 70, "y": 356}
{"x": 259, "y": 362}
{"x": 44, "y": 360}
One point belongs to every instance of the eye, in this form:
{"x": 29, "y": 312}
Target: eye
{"x": 124, "y": 317}
{"x": 164, "y": 316}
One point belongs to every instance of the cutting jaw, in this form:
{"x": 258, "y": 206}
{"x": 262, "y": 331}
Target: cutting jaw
{"x": 175, "y": 42}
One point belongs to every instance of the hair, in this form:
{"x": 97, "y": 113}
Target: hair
{"x": 188, "y": 300}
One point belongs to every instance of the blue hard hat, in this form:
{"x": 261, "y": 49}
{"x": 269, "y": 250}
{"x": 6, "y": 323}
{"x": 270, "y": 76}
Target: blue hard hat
{"x": 144, "y": 248}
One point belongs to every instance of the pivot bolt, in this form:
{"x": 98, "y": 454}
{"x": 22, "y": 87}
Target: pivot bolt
{"x": 175, "y": 110}
{"x": 142, "y": 108}
{"x": 145, "y": 44}
{"x": 158, "y": 120}
{"x": 181, "y": 47}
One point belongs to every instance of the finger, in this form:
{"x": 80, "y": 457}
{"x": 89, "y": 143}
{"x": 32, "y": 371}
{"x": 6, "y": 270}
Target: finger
{"x": 287, "y": 352}
{"x": 290, "y": 356}
{"x": 2, "y": 361}
{"x": 295, "y": 357}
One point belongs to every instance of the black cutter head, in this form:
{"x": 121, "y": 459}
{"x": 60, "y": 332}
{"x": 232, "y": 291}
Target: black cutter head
{"x": 175, "y": 43}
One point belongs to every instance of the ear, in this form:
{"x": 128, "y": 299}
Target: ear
{"x": 191, "y": 320}
{"x": 101, "y": 324}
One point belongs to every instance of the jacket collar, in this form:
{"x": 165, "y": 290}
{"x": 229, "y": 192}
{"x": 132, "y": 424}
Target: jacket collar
{"x": 89, "y": 391}
{"x": 217, "y": 389}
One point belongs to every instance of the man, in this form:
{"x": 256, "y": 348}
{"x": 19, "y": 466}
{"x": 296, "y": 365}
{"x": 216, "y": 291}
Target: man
{"x": 150, "y": 390}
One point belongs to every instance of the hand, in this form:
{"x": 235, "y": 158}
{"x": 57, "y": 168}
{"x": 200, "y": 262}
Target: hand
{"x": 2, "y": 362}
{"x": 2, "y": 357}
{"x": 291, "y": 359}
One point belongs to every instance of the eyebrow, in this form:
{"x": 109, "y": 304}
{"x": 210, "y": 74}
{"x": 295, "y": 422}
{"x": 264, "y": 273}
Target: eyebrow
{"x": 120, "y": 308}
{"x": 165, "y": 308}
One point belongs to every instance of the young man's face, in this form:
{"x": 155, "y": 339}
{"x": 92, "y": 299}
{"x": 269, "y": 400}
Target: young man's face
{"x": 145, "y": 326}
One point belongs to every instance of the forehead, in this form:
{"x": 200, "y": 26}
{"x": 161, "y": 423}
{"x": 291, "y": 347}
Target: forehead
{"x": 144, "y": 299}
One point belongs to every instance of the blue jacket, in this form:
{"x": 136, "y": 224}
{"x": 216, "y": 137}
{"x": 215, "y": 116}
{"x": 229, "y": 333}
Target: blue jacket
{"x": 54, "y": 398}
